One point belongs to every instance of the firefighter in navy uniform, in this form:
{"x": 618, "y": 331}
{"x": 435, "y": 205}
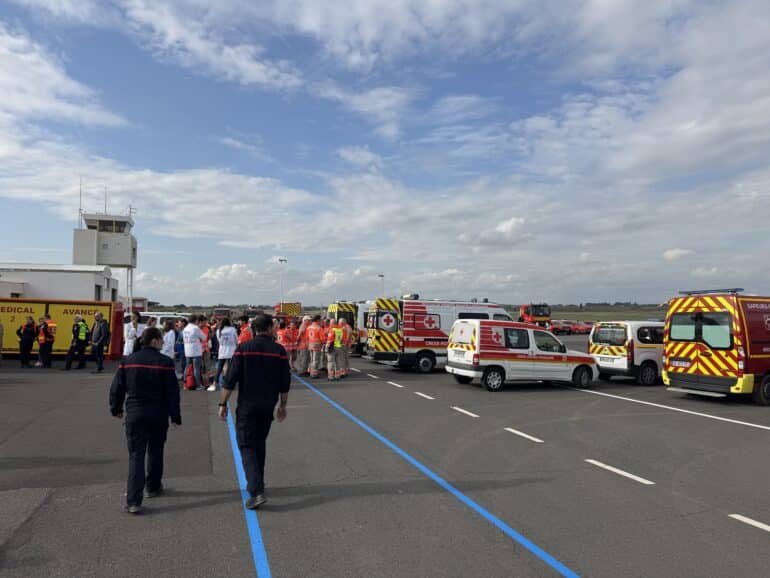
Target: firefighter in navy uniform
{"x": 80, "y": 337}
{"x": 146, "y": 383}
{"x": 260, "y": 369}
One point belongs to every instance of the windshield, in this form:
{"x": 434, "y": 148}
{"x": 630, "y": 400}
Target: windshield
{"x": 610, "y": 335}
{"x": 541, "y": 311}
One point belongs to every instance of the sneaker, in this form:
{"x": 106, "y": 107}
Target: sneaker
{"x": 255, "y": 502}
{"x": 211, "y": 388}
{"x": 154, "y": 493}
{"x": 133, "y": 509}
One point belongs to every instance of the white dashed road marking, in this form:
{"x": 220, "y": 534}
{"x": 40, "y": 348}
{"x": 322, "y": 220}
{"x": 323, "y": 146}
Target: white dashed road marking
{"x": 423, "y": 395}
{"x": 356, "y": 370}
{"x": 522, "y": 434}
{"x": 750, "y": 522}
{"x": 621, "y": 473}
{"x": 465, "y": 411}
{"x": 372, "y": 376}
{"x": 395, "y": 384}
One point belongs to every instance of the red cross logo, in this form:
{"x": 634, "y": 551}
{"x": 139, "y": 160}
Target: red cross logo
{"x": 388, "y": 321}
{"x": 497, "y": 337}
{"x": 429, "y": 322}
{"x": 462, "y": 332}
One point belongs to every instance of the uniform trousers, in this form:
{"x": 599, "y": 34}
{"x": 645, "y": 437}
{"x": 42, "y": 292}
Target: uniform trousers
{"x": 302, "y": 360}
{"x": 316, "y": 361}
{"x": 146, "y": 438}
{"x": 252, "y": 427}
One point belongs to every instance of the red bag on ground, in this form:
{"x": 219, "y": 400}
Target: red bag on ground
{"x": 189, "y": 378}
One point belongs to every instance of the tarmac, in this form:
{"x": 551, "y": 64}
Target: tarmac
{"x": 393, "y": 473}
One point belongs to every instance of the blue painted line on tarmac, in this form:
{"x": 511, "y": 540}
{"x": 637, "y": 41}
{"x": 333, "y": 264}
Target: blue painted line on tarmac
{"x": 486, "y": 514}
{"x": 252, "y": 522}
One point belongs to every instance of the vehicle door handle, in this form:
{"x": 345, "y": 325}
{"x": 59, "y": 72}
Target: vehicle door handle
{"x": 706, "y": 353}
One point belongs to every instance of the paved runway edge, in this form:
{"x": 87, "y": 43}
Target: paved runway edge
{"x": 501, "y": 525}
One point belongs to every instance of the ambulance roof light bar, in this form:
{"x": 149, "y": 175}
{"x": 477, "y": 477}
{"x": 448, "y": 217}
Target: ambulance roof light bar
{"x": 709, "y": 291}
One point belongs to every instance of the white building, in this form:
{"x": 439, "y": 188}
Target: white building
{"x": 68, "y": 282}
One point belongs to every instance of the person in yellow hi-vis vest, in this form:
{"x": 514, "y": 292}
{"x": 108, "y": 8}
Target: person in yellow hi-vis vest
{"x": 334, "y": 346}
{"x": 347, "y": 342}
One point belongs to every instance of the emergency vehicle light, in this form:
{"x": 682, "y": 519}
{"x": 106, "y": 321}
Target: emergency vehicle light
{"x": 707, "y": 291}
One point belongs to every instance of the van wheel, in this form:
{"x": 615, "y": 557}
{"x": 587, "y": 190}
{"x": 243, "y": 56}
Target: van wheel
{"x": 762, "y": 392}
{"x": 425, "y": 362}
{"x": 493, "y": 379}
{"x": 648, "y": 374}
{"x": 582, "y": 377}
{"x": 604, "y": 376}
{"x": 464, "y": 379}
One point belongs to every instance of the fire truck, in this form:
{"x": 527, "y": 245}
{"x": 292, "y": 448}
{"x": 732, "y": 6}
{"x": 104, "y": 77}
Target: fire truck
{"x": 414, "y": 332}
{"x": 287, "y": 312}
{"x": 356, "y": 315}
{"x": 13, "y": 312}
{"x": 535, "y": 313}
{"x": 716, "y": 343}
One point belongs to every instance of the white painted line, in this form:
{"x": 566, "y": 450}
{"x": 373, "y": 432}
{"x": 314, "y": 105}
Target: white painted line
{"x": 522, "y": 434}
{"x": 372, "y": 376}
{"x": 716, "y": 417}
{"x": 356, "y": 370}
{"x": 423, "y": 395}
{"x": 465, "y": 411}
{"x": 395, "y": 384}
{"x": 621, "y": 473}
{"x": 750, "y": 522}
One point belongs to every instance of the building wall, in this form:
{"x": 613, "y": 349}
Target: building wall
{"x": 75, "y": 285}
{"x": 8, "y": 289}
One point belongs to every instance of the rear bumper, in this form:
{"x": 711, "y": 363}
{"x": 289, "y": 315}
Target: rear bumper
{"x": 463, "y": 369}
{"x": 709, "y": 383}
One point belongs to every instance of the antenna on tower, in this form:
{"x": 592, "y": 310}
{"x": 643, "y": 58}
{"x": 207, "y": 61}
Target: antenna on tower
{"x": 105, "y": 199}
{"x": 80, "y": 206}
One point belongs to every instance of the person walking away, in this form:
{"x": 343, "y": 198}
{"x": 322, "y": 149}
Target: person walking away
{"x": 169, "y": 340}
{"x": 260, "y": 370}
{"x": 146, "y": 385}
{"x": 347, "y": 344}
{"x": 245, "y": 332}
{"x": 100, "y": 339}
{"x": 131, "y": 333}
{"x": 80, "y": 338}
{"x": 193, "y": 349}
{"x": 315, "y": 344}
{"x": 181, "y": 360}
{"x": 228, "y": 341}
{"x": 26, "y": 334}
{"x": 45, "y": 337}
{"x": 302, "y": 361}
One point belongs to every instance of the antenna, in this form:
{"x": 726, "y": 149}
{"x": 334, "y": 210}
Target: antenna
{"x": 105, "y": 199}
{"x": 80, "y": 206}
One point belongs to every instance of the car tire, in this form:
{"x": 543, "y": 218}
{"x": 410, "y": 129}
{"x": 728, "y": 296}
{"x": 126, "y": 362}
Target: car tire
{"x": 648, "y": 374}
{"x": 762, "y": 392}
{"x": 604, "y": 376}
{"x": 464, "y": 379}
{"x": 582, "y": 377}
{"x": 493, "y": 379}
{"x": 425, "y": 362}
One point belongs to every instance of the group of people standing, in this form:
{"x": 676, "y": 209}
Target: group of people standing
{"x": 44, "y": 333}
{"x": 318, "y": 344}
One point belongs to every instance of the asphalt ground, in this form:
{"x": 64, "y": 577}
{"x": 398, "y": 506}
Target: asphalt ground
{"x": 366, "y": 478}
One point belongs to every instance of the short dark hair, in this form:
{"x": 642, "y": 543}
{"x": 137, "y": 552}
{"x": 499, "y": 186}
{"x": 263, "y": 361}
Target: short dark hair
{"x": 193, "y": 319}
{"x": 282, "y": 325}
{"x": 317, "y": 318}
{"x": 262, "y": 323}
{"x": 224, "y": 322}
{"x": 244, "y": 318}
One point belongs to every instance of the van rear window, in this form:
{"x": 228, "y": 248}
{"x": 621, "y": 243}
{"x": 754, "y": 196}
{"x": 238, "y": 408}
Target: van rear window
{"x": 462, "y": 333}
{"x": 469, "y": 315}
{"x": 609, "y": 335}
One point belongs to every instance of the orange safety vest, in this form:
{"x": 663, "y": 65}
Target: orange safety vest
{"x": 282, "y": 339}
{"x": 301, "y": 340}
{"x": 291, "y": 339}
{"x": 40, "y": 335}
{"x": 314, "y": 336}
{"x": 245, "y": 334}
{"x": 51, "y": 330}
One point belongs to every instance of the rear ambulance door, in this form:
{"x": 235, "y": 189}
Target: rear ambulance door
{"x": 549, "y": 361}
{"x": 608, "y": 345}
{"x": 463, "y": 338}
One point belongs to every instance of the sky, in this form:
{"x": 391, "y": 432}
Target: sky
{"x": 596, "y": 150}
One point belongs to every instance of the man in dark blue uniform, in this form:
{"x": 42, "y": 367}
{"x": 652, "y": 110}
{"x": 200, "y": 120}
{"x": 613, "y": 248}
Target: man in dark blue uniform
{"x": 146, "y": 383}
{"x": 260, "y": 369}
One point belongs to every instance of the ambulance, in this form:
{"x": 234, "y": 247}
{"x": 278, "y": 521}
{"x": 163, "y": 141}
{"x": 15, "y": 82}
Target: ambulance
{"x": 497, "y": 352}
{"x": 413, "y": 332}
{"x": 718, "y": 342}
{"x": 356, "y": 315}
{"x": 628, "y": 348}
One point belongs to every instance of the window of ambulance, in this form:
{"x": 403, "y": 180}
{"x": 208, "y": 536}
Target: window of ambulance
{"x": 517, "y": 339}
{"x": 468, "y": 315}
{"x": 462, "y": 333}
{"x": 716, "y": 330}
{"x": 682, "y": 327}
{"x": 609, "y": 335}
{"x": 547, "y": 342}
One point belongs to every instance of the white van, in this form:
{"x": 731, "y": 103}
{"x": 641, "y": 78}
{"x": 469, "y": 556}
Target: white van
{"x": 499, "y": 351}
{"x": 629, "y": 348}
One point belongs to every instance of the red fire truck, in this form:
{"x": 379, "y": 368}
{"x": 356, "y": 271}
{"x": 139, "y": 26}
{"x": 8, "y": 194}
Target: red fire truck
{"x": 535, "y": 313}
{"x": 718, "y": 342}
{"x": 285, "y": 311}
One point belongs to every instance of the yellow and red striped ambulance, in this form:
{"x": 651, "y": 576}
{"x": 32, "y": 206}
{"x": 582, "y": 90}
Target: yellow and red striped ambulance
{"x": 717, "y": 343}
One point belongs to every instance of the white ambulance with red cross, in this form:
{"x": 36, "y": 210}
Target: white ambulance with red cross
{"x": 497, "y": 352}
{"x": 414, "y": 332}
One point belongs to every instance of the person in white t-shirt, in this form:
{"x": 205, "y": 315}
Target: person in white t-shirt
{"x": 193, "y": 348}
{"x": 132, "y": 332}
{"x": 169, "y": 339}
{"x": 227, "y": 337}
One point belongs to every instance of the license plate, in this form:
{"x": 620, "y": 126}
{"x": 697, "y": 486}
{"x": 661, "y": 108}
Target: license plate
{"x": 606, "y": 359}
{"x": 680, "y": 363}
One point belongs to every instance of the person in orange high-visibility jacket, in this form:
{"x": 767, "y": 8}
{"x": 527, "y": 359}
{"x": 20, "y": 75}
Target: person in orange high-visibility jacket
{"x": 302, "y": 360}
{"x": 245, "y": 334}
{"x": 334, "y": 347}
{"x": 46, "y": 334}
{"x": 291, "y": 338}
{"x": 347, "y": 343}
{"x": 314, "y": 334}
{"x": 281, "y": 336}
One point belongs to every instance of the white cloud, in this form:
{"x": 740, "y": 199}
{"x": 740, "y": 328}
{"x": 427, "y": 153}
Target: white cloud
{"x": 237, "y": 273}
{"x": 34, "y": 85}
{"x": 460, "y": 108}
{"x": 510, "y": 227}
{"x": 252, "y": 150}
{"x": 705, "y": 272}
{"x": 360, "y": 157}
{"x": 672, "y": 255}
